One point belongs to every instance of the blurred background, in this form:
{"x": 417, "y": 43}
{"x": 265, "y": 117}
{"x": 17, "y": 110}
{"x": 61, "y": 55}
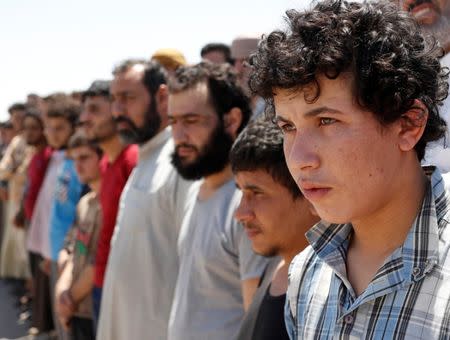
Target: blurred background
{"x": 50, "y": 45}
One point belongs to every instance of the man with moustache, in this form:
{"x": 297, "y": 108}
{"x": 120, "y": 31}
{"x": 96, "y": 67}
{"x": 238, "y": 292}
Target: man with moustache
{"x": 433, "y": 17}
{"x": 120, "y": 159}
{"x": 275, "y": 216}
{"x": 143, "y": 264}
{"x": 218, "y": 272}
{"x": 356, "y": 90}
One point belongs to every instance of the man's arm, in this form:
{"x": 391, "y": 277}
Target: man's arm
{"x": 8, "y": 164}
{"x": 249, "y": 288}
{"x": 83, "y": 286}
{"x": 63, "y": 305}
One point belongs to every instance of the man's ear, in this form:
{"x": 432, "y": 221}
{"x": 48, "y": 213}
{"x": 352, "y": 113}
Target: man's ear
{"x": 412, "y": 125}
{"x": 232, "y": 121}
{"x": 162, "y": 99}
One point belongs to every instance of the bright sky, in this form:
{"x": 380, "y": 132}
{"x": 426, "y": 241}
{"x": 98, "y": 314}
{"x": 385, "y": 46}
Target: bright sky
{"x": 51, "y": 45}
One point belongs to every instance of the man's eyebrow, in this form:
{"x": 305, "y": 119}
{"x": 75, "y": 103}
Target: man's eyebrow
{"x": 311, "y": 113}
{"x": 320, "y": 110}
{"x": 184, "y": 115}
{"x": 252, "y": 187}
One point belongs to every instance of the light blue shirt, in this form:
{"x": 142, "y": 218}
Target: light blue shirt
{"x": 63, "y": 206}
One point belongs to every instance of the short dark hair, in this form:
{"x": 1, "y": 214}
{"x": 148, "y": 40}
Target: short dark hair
{"x": 220, "y": 47}
{"x": 391, "y": 62}
{"x": 79, "y": 139}
{"x": 223, "y": 87}
{"x": 6, "y": 125}
{"x": 16, "y": 107}
{"x": 36, "y": 115}
{"x": 260, "y": 147}
{"x": 97, "y": 88}
{"x": 154, "y": 74}
{"x": 64, "y": 107}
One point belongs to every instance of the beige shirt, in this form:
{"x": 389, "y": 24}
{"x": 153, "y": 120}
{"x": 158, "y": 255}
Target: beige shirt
{"x": 143, "y": 263}
{"x": 14, "y": 166}
{"x": 83, "y": 243}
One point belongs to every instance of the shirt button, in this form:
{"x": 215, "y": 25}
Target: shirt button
{"x": 348, "y": 319}
{"x": 416, "y": 271}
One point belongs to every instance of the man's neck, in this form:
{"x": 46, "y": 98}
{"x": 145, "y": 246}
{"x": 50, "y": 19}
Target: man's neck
{"x": 279, "y": 282}
{"x": 386, "y": 229}
{"x": 95, "y": 185}
{"x": 41, "y": 146}
{"x": 112, "y": 147}
{"x": 289, "y": 254}
{"x": 213, "y": 182}
{"x": 375, "y": 237}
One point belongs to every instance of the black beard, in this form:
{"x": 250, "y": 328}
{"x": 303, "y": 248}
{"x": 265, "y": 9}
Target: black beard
{"x": 140, "y": 135}
{"x": 212, "y": 158}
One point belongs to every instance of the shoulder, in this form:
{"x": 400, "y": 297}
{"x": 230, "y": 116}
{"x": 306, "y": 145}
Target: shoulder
{"x": 303, "y": 270}
{"x": 130, "y": 155}
{"x": 86, "y": 199}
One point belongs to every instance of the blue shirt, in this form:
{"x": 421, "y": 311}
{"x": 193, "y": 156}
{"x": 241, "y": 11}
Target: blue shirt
{"x": 408, "y": 298}
{"x": 63, "y": 207}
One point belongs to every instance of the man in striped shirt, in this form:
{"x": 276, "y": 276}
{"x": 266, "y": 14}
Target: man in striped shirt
{"x": 355, "y": 88}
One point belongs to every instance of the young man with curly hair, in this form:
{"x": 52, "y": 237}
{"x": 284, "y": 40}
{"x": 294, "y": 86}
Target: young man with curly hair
{"x": 355, "y": 88}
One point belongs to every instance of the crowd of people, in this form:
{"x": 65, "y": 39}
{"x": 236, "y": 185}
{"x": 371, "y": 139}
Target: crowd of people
{"x": 275, "y": 190}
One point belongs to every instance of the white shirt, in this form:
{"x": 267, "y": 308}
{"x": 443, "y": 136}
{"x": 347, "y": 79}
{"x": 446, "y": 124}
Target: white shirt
{"x": 143, "y": 262}
{"x": 38, "y": 234}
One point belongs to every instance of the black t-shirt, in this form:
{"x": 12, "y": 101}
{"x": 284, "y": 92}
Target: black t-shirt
{"x": 270, "y": 321}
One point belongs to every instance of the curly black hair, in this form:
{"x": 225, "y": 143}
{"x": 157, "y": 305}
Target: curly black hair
{"x": 224, "y": 90}
{"x": 260, "y": 147}
{"x": 392, "y": 63}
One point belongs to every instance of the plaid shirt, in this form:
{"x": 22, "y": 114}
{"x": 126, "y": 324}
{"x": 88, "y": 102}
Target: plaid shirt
{"x": 409, "y": 297}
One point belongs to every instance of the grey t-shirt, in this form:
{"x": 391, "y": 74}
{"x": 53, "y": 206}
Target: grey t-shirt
{"x": 215, "y": 256}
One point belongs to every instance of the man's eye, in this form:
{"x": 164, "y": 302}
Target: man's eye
{"x": 191, "y": 120}
{"x": 286, "y": 127}
{"x": 327, "y": 121}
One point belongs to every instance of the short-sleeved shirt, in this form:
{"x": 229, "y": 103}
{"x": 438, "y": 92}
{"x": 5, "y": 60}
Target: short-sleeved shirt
{"x": 215, "y": 257}
{"x": 143, "y": 262}
{"x": 113, "y": 181}
{"x": 84, "y": 243}
{"x": 408, "y": 298}
{"x": 63, "y": 207}
{"x": 38, "y": 233}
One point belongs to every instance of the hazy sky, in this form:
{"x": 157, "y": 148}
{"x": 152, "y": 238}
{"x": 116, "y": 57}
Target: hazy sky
{"x": 50, "y": 45}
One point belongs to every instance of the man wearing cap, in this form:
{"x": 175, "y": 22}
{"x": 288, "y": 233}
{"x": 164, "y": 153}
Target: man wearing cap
{"x": 169, "y": 58}
{"x": 241, "y": 48}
